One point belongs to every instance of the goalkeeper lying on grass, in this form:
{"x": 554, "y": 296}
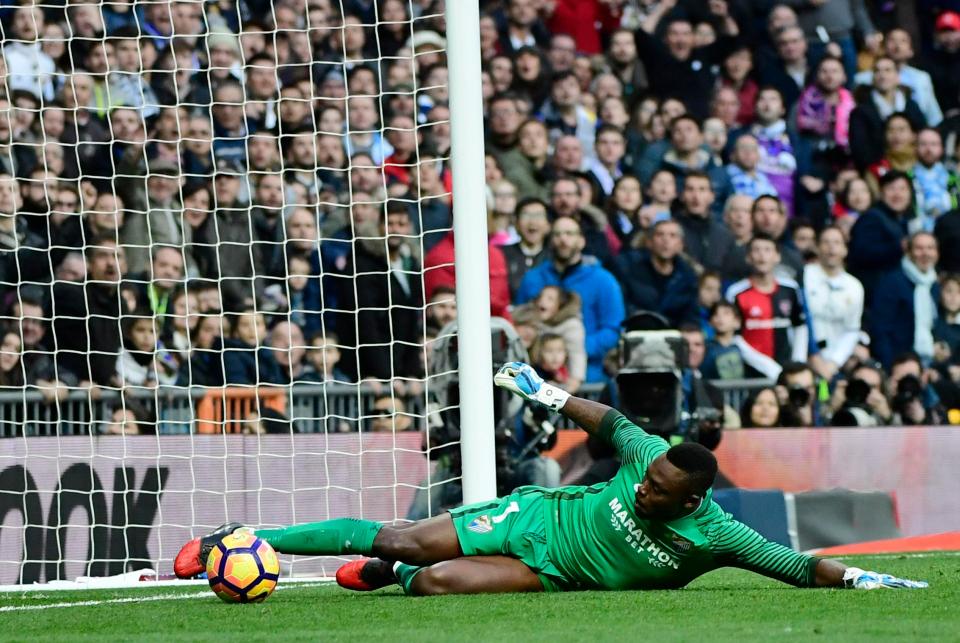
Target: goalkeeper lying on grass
{"x": 653, "y": 526}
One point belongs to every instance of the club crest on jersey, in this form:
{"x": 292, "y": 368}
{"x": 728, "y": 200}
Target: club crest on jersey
{"x": 785, "y": 307}
{"x": 680, "y": 543}
{"x": 480, "y": 525}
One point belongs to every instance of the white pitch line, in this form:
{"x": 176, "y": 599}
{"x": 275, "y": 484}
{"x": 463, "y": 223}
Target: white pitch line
{"x": 108, "y": 601}
{"x": 134, "y": 599}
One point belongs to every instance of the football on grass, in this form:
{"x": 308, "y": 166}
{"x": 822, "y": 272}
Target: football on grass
{"x": 242, "y": 568}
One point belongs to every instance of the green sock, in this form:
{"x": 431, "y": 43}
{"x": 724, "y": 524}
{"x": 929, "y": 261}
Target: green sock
{"x": 338, "y": 536}
{"x": 405, "y": 575}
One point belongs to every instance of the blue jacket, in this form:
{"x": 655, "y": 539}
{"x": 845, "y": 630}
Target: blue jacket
{"x": 674, "y": 297}
{"x": 601, "y": 298}
{"x": 876, "y": 245}
{"x": 244, "y": 365}
{"x": 892, "y": 318}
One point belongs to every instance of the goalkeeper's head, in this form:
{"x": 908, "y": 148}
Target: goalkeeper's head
{"x": 676, "y": 482}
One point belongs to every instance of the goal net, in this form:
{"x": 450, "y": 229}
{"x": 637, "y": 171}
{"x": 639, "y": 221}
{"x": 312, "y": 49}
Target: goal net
{"x": 215, "y": 218}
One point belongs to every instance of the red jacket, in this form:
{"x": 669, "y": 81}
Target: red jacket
{"x": 585, "y": 21}
{"x": 438, "y": 270}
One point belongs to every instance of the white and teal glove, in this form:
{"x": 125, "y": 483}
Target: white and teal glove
{"x": 521, "y": 379}
{"x": 855, "y": 578}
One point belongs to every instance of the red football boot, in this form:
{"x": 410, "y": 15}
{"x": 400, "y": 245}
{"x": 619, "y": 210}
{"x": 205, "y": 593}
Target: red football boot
{"x": 366, "y": 575}
{"x": 192, "y": 559}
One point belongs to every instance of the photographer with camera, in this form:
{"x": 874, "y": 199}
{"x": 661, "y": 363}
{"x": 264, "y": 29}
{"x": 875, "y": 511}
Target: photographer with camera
{"x": 860, "y": 401}
{"x": 797, "y": 393}
{"x": 912, "y": 398}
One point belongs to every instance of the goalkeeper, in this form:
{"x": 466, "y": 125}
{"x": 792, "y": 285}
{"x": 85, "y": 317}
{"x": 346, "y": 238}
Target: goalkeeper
{"x": 653, "y": 526}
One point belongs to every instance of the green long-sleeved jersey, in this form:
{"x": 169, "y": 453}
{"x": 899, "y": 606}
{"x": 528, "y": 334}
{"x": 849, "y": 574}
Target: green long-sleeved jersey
{"x": 597, "y": 541}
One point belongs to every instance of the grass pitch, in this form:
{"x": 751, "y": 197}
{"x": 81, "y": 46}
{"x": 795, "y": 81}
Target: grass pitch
{"x": 723, "y": 606}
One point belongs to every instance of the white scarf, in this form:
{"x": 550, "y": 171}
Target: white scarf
{"x": 924, "y": 308}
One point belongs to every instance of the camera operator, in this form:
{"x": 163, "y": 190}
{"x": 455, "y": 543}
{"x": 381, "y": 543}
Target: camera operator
{"x": 860, "y": 401}
{"x": 912, "y": 399}
{"x": 797, "y": 393}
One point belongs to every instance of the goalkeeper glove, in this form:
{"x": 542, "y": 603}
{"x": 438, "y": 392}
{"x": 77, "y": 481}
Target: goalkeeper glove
{"x": 855, "y": 578}
{"x": 521, "y": 379}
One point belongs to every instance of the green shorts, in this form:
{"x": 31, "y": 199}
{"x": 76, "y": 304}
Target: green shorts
{"x": 510, "y": 526}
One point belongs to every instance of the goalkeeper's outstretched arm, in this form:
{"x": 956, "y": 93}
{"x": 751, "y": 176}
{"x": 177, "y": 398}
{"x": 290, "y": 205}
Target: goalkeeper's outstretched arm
{"x": 521, "y": 379}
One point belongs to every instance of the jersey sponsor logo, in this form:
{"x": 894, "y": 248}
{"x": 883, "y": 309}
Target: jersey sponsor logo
{"x": 480, "y": 525}
{"x": 639, "y": 541}
{"x": 761, "y": 324}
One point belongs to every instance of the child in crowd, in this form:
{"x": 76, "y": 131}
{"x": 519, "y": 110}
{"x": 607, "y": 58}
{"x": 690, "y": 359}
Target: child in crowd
{"x": 323, "y": 356}
{"x": 559, "y": 313}
{"x": 946, "y": 330}
{"x": 185, "y": 307}
{"x": 728, "y": 356}
{"x": 549, "y": 358}
{"x": 246, "y": 358}
{"x": 144, "y": 361}
{"x": 709, "y": 293}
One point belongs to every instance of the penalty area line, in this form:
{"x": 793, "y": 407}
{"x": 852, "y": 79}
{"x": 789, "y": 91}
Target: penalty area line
{"x": 137, "y": 599}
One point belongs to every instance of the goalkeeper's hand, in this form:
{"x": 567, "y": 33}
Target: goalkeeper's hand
{"x": 855, "y": 578}
{"x": 521, "y": 379}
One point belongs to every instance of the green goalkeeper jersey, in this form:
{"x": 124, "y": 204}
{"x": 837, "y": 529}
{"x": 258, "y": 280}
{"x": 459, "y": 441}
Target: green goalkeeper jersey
{"x": 597, "y": 541}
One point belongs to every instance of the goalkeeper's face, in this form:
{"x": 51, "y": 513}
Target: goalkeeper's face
{"x": 666, "y": 492}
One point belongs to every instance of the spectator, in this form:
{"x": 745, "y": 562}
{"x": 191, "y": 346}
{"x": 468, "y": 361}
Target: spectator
{"x": 661, "y": 193}
{"x": 875, "y": 105}
{"x": 533, "y": 228}
{"x": 86, "y": 328}
{"x": 913, "y": 401}
{"x": 144, "y": 361}
{"x": 899, "y": 150}
{"x": 565, "y": 201}
{"x": 389, "y": 415}
{"x": 623, "y": 62}
{"x": 771, "y": 306}
{"x": 947, "y": 232}
{"x": 323, "y": 355}
{"x": 610, "y": 149}
{"x": 522, "y": 28}
{"x": 24, "y": 54}
{"x": 904, "y": 307}
{"x": 943, "y": 61}
{"x": 770, "y": 218}
{"x": 736, "y": 74}
{"x": 947, "y": 327}
{"x": 289, "y": 349}
{"x": 687, "y": 155}
{"x": 706, "y": 240}
{"x": 899, "y": 47}
{"x": 559, "y": 312}
{"x": 935, "y": 185}
{"x": 797, "y": 394}
{"x": 11, "y": 369}
{"x": 860, "y": 400}
{"x": 548, "y": 356}
{"x": 438, "y": 270}
{"x": 599, "y": 291}
{"x": 623, "y": 208}
{"x": 787, "y": 71}
{"x": 761, "y": 410}
{"x": 530, "y": 174}
{"x": 682, "y": 68}
{"x": 745, "y": 177}
{"x": 834, "y": 300}
{"x": 246, "y": 359}
{"x": 722, "y": 359}
{"x": 386, "y": 294}
{"x": 564, "y": 113}
{"x": 839, "y": 19}
{"x": 776, "y": 144}
{"x": 441, "y": 309}
{"x": 823, "y": 122}
{"x": 876, "y": 239}
{"x": 656, "y": 278}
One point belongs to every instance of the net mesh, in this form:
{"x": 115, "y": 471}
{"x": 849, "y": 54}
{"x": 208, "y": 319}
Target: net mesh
{"x": 215, "y": 219}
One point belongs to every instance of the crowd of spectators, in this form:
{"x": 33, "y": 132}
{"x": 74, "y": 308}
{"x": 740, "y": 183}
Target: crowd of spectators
{"x": 245, "y": 192}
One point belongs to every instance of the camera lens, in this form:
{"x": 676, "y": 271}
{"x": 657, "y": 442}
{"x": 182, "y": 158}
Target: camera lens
{"x": 799, "y": 396}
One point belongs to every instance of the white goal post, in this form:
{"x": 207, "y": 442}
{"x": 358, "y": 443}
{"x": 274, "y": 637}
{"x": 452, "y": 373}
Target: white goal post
{"x": 228, "y": 240}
